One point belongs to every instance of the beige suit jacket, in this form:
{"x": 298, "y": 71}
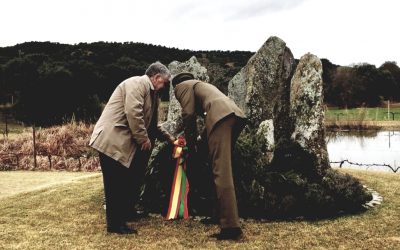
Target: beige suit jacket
{"x": 204, "y": 99}
{"x": 125, "y": 121}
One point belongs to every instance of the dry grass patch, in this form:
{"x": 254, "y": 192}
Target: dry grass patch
{"x": 362, "y": 125}
{"x": 62, "y": 147}
{"x": 71, "y": 217}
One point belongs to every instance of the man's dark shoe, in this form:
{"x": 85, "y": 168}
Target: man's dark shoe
{"x": 234, "y": 233}
{"x": 121, "y": 229}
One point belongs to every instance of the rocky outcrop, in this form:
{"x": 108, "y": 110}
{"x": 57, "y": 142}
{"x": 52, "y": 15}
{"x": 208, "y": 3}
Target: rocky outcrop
{"x": 280, "y": 165}
{"x": 285, "y": 103}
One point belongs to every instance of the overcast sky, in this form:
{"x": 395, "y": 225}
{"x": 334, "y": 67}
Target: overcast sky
{"x": 343, "y": 31}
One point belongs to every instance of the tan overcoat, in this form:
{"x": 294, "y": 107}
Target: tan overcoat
{"x": 125, "y": 122}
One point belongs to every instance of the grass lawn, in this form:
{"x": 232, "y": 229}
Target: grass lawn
{"x": 70, "y": 216}
{"x": 15, "y": 182}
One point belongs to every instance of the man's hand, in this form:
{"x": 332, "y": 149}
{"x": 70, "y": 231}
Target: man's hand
{"x": 146, "y": 145}
{"x": 171, "y": 139}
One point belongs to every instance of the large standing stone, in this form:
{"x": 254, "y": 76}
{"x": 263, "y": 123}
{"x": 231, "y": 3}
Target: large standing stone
{"x": 306, "y": 110}
{"x": 290, "y": 106}
{"x": 258, "y": 87}
{"x": 174, "y": 118}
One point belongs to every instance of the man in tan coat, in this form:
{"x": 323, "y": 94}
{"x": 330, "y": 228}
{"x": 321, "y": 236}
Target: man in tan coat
{"x": 223, "y": 123}
{"x": 124, "y": 136}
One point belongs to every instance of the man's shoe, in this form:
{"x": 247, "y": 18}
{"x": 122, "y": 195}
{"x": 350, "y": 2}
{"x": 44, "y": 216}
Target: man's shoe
{"x": 234, "y": 233}
{"x": 121, "y": 229}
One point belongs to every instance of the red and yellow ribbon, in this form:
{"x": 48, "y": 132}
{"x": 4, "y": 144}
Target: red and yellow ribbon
{"x": 180, "y": 185}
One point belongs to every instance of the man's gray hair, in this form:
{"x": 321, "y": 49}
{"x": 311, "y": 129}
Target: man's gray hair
{"x": 157, "y": 68}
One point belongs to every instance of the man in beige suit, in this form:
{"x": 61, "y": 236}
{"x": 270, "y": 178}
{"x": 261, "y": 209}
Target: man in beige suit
{"x": 124, "y": 136}
{"x": 223, "y": 123}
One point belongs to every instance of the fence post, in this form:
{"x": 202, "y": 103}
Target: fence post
{"x": 34, "y": 146}
{"x": 49, "y": 156}
{"x": 80, "y": 163}
{"x": 6, "y": 114}
{"x": 17, "y": 161}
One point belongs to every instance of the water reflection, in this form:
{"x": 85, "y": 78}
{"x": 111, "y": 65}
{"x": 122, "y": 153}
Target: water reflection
{"x": 365, "y": 147}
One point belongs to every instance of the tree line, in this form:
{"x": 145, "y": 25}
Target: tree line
{"x": 361, "y": 84}
{"x": 48, "y": 83}
{"x": 52, "y": 82}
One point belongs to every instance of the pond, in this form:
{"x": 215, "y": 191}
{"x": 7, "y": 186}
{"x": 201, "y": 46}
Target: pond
{"x": 370, "y": 150}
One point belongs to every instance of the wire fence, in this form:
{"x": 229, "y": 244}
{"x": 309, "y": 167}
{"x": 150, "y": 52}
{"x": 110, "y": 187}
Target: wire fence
{"x": 23, "y": 161}
{"x": 394, "y": 169}
{"x": 12, "y": 161}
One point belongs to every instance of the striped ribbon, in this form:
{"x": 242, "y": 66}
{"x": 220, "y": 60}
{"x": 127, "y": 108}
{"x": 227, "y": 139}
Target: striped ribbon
{"x": 180, "y": 185}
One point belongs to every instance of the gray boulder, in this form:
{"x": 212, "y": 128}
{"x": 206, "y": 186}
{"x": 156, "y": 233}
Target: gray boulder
{"x": 174, "y": 118}
{"x": 258, "y": 87}
{"x": 266, "y": 130}
{"x": 307, "y": 112}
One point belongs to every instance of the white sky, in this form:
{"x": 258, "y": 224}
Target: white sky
{"x": 343, "y": 31}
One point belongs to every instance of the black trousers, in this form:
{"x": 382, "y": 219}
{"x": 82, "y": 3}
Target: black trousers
{"x": 122, "y": 186}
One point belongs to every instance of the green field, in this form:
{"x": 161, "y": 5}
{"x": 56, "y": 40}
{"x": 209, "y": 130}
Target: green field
{"x": 369, "y": 114}
{"x": 70, "y": 216}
